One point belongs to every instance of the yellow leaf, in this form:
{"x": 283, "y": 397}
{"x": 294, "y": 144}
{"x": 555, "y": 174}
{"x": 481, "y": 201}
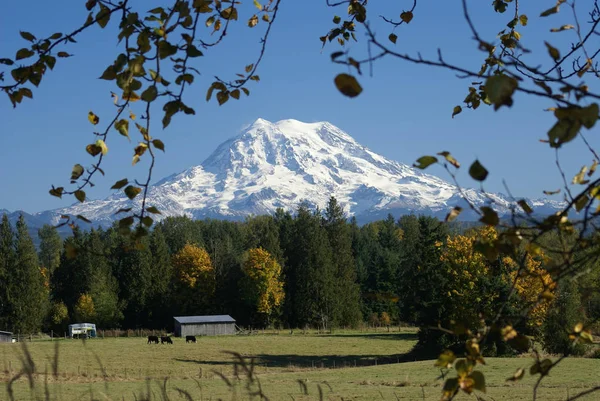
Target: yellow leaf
{"x": 348, "y": 85}
{"x": 94, "y": 119}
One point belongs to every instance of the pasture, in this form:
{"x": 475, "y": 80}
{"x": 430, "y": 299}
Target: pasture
{"x": 345, "y": 365}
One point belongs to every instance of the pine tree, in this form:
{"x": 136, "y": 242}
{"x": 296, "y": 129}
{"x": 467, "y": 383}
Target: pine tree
{"x": 347, "y": 291}
{"x": 566, "y": 311}
{"x": 7, "y": 260}
{"x": 159, "y": 303}
{"x": 102, "y": 286}
{"x": 50, "y": 248}
{"x": 312, "y": 272}
{"x": 27, "y": 294}
{"x": 131, "y": 266}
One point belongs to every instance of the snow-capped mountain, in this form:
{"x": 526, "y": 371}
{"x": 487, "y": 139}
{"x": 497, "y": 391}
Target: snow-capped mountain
{"x": 271, "y": 165}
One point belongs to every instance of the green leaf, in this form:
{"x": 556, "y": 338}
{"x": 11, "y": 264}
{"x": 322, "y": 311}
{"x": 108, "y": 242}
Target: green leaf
{"x": 149, "y": 94}
{"x": 563, "y": 131}
{"x": 80, "y": 195}
{"x": 550, "y": 11}
{"x": 56, "y": 35}
{"x": 479, "y": 381}
{"x": 125, "y": 210}
{"x": 230, "y": 13}
{"x": 77, "y": 172}
{"x": 90, "y": 4}
{"x": 120, "y": 184}
{"x": 132, "y": 191}
{"x": 445, "y": 360}
{"x": 143, "y": 42}
{"x": 103, "y": 16}
{"x": 123, "y": 127}
{"x": 222, "y": 97}
{"x": 147, "y": 221}
{"x": 103, "y": 148}
{"x": 27, "y": 36}
{"x": 57, "y": 191}
{"x": 526, "y": 208}
{"x": 94, "y": 119}
{"x": 477, "y": 171}
{"x": 499, "y": 90}
{"x": 165, "y": 49}
{"x": 425, "y": 161}
{"x": 26, "y": 92}
{"x": 457, "y": 110}
{"x": 93, "y": 149}
{"x": 581, "y": 202}
{"x": 453, "y": 214}
{"x": 126, "y": 222}
{"x": 589, "y": 115}
{"x": 258, "y": 5}
{"x": 23, "y": 53}
{"x": 192, "y": 51}
{"x": 490, "y": 217}
{"x": 553, "y": 51}
{"x": 6, "y": 61}
{"x": 109, "y": 74}
{"x": 209, "y": 21}
{"x": 50, "y": 61}
{"x": 348, "y": 85}
{"x": 393, "y": 37}
{"x": 153, "y": 209}
{"x": 406, "y": 16}
{"x": 83, "y": 218}
{"x": 158, "y": 144}
{"x": 500, "y": 6}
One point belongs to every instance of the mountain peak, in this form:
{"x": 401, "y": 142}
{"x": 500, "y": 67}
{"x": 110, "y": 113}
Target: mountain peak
{"x": 280, "y": 164}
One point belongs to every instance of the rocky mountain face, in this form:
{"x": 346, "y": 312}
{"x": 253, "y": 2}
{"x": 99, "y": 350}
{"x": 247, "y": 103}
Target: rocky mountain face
{"x": 271, "y": 165}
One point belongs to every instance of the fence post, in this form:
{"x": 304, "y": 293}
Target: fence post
{"x": 51, "y": 335}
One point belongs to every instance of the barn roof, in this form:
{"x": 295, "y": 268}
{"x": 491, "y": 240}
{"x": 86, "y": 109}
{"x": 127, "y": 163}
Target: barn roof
{"x": 204, "y": 319}
{"x": 6, "y": 333}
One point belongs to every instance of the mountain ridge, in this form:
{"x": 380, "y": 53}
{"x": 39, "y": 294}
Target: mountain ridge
{"x": 270, "y": 165}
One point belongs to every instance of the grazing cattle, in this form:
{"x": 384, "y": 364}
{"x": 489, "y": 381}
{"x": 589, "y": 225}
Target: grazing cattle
{"x": 152, "y": 339}
{"x": 166, "y": 340}
{"x": 190, "y": 339}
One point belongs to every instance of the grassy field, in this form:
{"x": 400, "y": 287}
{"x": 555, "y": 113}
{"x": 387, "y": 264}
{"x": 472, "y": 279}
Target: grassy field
{"x": 346, "y": 365}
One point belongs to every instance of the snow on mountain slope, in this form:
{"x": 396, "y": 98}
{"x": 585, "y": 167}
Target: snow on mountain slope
{"x": 271, "y": 165}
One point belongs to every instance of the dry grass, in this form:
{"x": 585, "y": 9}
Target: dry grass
{"x": 284, "y": 365}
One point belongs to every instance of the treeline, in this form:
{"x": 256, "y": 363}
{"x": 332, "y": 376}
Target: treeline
{"x": 311, "y": 268}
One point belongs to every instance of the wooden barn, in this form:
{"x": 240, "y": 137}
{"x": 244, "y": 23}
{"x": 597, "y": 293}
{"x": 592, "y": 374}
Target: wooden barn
{"x": 6, "y": 337}
{"x": 216, "y": 325}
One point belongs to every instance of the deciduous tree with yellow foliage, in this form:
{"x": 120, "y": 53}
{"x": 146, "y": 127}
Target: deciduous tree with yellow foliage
{"x": 84, "y": 309}
{"x": 195, "y": 275}
{"x": 262, "y": 285}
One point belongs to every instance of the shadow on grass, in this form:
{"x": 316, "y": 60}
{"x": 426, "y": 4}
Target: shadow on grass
{"x": 377, "y": 336}
{"x": 313, "y": 361}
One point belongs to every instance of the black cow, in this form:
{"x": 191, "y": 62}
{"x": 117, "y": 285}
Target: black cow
{"x": 152, "y": 339}
{"x": 166, "y": 339}
{"x": 190, "y": 339}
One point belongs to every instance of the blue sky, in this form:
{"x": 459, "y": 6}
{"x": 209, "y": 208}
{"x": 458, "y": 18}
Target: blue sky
{"x": 403, "y": 113}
